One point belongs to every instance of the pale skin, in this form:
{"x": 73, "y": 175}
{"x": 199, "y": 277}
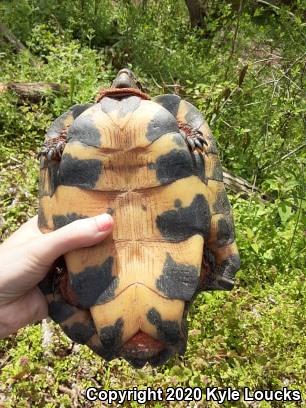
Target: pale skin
{"x": 26, "y": 257}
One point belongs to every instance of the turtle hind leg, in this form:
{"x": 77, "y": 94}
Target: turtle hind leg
{"x": 53, "y": 147}
{"x": 77, "y": 323}
{"x": 219, "y": 276}
{"x": 57, "y": 282}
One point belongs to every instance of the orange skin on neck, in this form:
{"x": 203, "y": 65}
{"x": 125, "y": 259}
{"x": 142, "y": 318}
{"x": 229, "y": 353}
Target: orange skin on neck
{"x": 121, "y": 92}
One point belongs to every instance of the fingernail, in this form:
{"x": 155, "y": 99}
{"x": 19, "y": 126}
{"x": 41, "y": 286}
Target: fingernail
{"x": 104, "y": 222}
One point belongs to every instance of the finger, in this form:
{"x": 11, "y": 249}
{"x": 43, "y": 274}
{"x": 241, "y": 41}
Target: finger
{"x": 78, "y": 234}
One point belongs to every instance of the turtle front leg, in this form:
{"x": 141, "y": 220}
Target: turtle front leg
{"x": 194, "y": 138}
{"x": 53, "y": 147}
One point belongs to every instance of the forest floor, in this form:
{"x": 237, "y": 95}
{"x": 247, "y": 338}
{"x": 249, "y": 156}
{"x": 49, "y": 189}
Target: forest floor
{"x": 246, "y": 74}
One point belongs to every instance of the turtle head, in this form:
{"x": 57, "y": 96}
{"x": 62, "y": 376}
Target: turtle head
{"x": 126, "y": 79}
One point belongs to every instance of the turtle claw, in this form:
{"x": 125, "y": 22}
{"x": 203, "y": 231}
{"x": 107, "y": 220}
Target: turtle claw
{"x": 199, "y": 143}
{"x": 59, "y": 149}
{"x": 191, "y": 143}
{"x": 195, "y": 142}
{"x": 42, "y": 152}
{"x": 53, "y": 148}
{"x": 201, "y": 138}
{"x": 194, "y": 138}
{"x": 51, "y": 154}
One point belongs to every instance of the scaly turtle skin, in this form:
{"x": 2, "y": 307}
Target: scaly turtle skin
{"x": 153, "y": 165}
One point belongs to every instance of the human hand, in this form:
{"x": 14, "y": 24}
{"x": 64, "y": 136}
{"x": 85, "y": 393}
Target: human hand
{"x": 27, "y": 256}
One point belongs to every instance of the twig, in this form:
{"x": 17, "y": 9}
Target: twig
{"x": 227, "y": 124}
{"x": 239, "y": 185}
{"x": 11, "y": 38}
{"x": 234, "y": 39}
{"x": 254, "y": 183}
{"x": 285, "y": 156}
{"x": 266, "y": 3}
{"x": 298, "y": 214}
{"x": 291, "y": 65}
{"x": 267, "y": 59}
{"x": 155, "y": 82}
{"x": 219, "y": 108}
{"x": 265, "y": 83}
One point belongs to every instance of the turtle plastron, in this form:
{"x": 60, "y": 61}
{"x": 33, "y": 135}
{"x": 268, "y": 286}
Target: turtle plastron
{"x": 152, "y": 164}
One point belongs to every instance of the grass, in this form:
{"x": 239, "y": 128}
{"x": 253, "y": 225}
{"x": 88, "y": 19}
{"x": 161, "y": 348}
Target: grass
{"x": 253, "y": 336}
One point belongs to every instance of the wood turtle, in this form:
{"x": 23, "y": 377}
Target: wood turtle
{"x": 152, "y": 164}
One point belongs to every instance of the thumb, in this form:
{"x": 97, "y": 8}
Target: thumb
{"x": 78, "y": 234}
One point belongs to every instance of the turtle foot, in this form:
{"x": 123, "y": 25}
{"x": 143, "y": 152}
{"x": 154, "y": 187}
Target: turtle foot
{"x": 194, "y": 138}
{"x": 53, "y": 148}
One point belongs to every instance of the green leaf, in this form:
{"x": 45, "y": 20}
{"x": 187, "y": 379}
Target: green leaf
{"x": 255, "y": 246}
{"x": 284, "y": 212}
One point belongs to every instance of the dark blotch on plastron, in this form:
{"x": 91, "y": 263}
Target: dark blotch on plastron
{"x": 178, "y": 281}
{"x": 163, "y": 122}
{"x": 111, "y": 337}
{"x": 226, "y": 231}
{"x": 91, "y": 283}
{"x": 193, "y": 117}
{"x": 60, "y": 311}
{"x": 184, "y": 222}
{"x": 123, "y": 106}
{"x": 167, "y": 330}
{"x": 79, "y": 173}
{"x": 109, "y": 105}
{"x": 128, "y": 105}
{"x": 42, "y": 220}
{"x": 80, "y": 332}
{"x": 83, "y": 130}
{"x": 175, "y": 165}
{"x": 199, "y": 165}
{"x": 222, "y": 205}
{"x": 109, "y": 293}
{"x": 169, "y": 102}
{"x": 53, "y": 174}
{"x": 78, "y": 109}
{"x": 60, "y": 221}
{"x": 59, "y": 124}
